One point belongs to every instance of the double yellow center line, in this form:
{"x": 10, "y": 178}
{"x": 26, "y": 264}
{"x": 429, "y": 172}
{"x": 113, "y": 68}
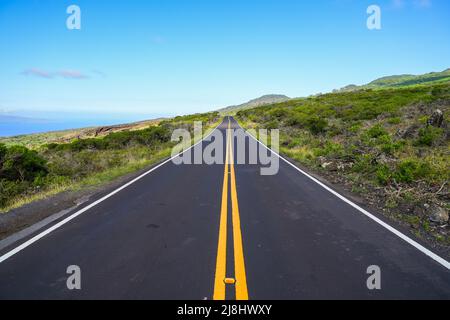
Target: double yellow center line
{"x": 239, "y": 280}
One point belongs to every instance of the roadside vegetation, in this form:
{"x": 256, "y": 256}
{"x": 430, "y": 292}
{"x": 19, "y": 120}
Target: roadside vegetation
{"x": 35, "y": 141}
{"x": 390, "y": 146}
{"x": 30, "y": 174}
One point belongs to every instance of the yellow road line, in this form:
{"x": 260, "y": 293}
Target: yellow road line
{"x": 239, "y": 263}
{"x": 240, "y": 279}
{"x": 221, "y": 264}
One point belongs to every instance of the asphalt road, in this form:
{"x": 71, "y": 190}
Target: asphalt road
{"x": 182, "y": 231}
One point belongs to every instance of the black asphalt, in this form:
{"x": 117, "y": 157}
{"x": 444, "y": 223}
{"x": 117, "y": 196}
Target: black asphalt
{"x": 157, "y": 239}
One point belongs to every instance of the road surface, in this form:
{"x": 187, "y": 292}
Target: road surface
{"x": 221, "y": 231}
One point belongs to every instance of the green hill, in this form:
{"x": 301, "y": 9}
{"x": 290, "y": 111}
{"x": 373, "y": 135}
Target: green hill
{"x": 402, "y": 81}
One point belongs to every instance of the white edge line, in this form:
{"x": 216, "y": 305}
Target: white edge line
{"x": 418, "y": 246}
{"x": 26, "y": 244}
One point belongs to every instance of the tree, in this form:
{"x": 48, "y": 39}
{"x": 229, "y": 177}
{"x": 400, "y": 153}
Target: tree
{"x": 3, "y": 150}
{"x": 22, "y": 164}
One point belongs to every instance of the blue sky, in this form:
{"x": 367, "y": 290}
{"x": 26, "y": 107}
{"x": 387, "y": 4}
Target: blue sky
{"x": 178, "y": 57}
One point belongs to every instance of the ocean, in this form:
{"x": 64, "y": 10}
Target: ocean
{"x": 21, "y": 124}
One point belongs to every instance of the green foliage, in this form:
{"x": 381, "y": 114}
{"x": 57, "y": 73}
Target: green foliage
{"x": 406, "y": 80}
{"x": 377, "y": 131}
{"x": 20, "y": 169}
{"x": 428, "y": 136}
{"x": 274, "y": 124}
{"x": 204, "y": 117}
{"x": 394, "y": 120}
{"x": 330, "y": 149}
{"x": 3, "y": 151}
{"x": 21, "y": 164}
{"x": 411, "y": 170}
{"x": 383, "y": 174}
{"x": 361, "y": 128}
{"x": 316, "y": 125}
{"x": 376, "y": 140}
{"x": 407, "y": 171}
{"x": 118, "y": 140}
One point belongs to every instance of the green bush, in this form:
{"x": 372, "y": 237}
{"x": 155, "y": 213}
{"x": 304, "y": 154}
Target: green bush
{"x": 10, "y": 189}
{"x": 21, "y": 164}
{"x": 3, "y": 151}
{"x": 20, "y": 170}
{"x": 274, "y": 124}
{"x": 118, "y": 140}
{"x": 388, "y": 145}
{"x": 411, "y": 170}
{"x": 279, "y": 113}
{"x": 429, "y": 136}
{"x": 395, "y": 120}
{"x": 376, "y": 131}
{"x": 383, "y": 174}
{"x": 330, "y": 149}
{"x": 316, "y": 125}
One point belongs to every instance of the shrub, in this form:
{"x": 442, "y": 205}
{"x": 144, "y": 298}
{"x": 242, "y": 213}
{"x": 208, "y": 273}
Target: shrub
{"x": 376, "y": 131}
{"x": 395, "y": 120}
{"x": 316, "y": 125}
{"x": 383, "y": 174}
{"x": 22, "y": 164}
{"x": 279, "y": 113}
{"x": 428, "y": 136}
{"x": 411, "y": 170}
{"x": 355, "y": 127}
{"x": 274, "y": 124}
{"x": 10, "y": 189}
{"x": 330, "y": 149}
{"x": 388, "y": 146}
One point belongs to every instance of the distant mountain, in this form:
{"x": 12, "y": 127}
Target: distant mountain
{"x": 401, "y": 81}
{"x": 261, "y": 101}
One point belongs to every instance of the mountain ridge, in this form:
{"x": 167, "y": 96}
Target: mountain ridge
{"x": 401, "y": 80}
{"x": 261, "y": 101}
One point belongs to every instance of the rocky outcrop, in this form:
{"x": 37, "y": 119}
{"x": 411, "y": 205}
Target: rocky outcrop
{"x": 436, "y": 119}
{"x": 437, "y": 214}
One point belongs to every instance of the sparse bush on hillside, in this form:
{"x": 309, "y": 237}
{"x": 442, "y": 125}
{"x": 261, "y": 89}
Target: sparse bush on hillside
{"x": 376, "y": 140}
{"x": 428, "y": 136}
{"x": 316, "y": 124}
{"x": 411, "y": 170}
{"x": 377, "y": 131}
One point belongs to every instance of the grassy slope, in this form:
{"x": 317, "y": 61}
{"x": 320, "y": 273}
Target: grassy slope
{"x": 403, "y": 81}
{"x": 358, "y": 139}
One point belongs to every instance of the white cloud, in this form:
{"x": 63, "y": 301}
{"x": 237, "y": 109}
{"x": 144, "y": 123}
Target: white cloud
{"x": 66, "y": 74}
{"x": 36, "y": 72}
